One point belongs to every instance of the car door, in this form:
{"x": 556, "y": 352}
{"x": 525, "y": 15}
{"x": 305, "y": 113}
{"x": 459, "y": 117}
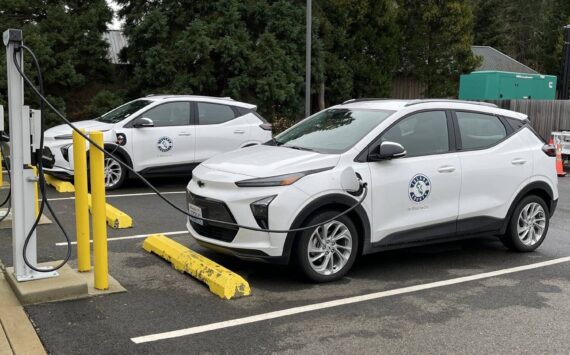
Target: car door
{"x": 169, "y": 143}
{"x": 416, "y": 198}
{"x": 220, "y": 128}
{"x": 495, "y": 163}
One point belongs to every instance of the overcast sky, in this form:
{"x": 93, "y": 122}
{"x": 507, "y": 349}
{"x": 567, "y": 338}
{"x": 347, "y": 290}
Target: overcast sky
{"x": 116, "y": 24}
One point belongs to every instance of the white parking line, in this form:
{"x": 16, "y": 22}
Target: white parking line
{"x": 139, "y": 236}
{"x": 340, "y": 302}
{"x": 121, "y": 195}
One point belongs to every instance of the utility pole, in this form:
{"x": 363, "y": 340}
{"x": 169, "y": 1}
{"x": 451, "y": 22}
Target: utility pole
{"x": 308, "y": 60}
{"x": 566, "y": 75}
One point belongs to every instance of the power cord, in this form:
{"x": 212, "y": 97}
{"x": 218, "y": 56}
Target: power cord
{"x": 154, "y": 189}
{"x": 10, "y": 190}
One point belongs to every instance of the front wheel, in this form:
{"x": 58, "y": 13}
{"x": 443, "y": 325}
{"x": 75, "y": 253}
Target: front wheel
{"x": 115, "y": 174}
{"x": 327, "y": 252}
{"x": 528, "y": 225}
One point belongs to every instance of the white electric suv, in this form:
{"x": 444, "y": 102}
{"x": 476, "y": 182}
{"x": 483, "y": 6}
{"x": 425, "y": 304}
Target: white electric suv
{"x": 436, "y": 170}
{"x": 163, "y": 135}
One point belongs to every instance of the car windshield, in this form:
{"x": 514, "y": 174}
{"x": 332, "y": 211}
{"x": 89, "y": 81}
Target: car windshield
{"x": 332, "y": 131}
{"x": 122, "y": 112}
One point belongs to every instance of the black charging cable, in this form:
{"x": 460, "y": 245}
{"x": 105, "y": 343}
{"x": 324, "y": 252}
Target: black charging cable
{"x": 156, "y": 191}
{"x": 7, "y": 199}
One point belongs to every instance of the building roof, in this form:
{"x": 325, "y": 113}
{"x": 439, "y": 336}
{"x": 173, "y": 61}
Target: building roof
{"x": 495, "y": 60}
{"x": 117, "y": 41}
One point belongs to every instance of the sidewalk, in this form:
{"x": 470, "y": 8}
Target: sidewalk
{"x": 17, "y": 335}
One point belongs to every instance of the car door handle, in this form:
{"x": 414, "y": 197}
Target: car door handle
{"x": 184, "y": 134}
{"x": 446, "y": 169}
{"x": 518, "y": 161}
{"x": 239, "y": 131}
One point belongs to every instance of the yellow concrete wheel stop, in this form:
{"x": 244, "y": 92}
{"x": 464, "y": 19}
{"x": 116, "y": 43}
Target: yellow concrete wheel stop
{"x": 59, "y": 185}
{"x": 116, "y": 218}
{"x": 221, "y": 281}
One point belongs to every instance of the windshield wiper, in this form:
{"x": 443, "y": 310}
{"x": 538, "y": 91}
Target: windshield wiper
{"x": 299, "y": 148}
{"x": 273, "y": 142}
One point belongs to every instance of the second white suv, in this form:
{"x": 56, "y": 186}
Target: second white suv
{"x": 163, "y": 135}
{"x": 435, "y": 170}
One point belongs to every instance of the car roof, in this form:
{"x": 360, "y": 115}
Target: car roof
{"x": 420, "y": 104}
{"x": 212, "y": 99}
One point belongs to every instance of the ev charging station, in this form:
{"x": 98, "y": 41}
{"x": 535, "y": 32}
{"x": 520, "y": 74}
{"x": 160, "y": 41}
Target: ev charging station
{"x": 25, "y": 132}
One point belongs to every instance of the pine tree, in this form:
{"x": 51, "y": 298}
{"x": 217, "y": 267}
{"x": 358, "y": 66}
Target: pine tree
{"x": 66, "y": 36}
{"x": 436, "y": 45}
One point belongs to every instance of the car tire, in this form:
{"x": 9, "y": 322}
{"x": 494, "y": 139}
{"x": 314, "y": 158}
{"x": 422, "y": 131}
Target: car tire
{"x": 115, "y": 174}
{"x": 528, "y": 225}
{"x": 312, "y": 251}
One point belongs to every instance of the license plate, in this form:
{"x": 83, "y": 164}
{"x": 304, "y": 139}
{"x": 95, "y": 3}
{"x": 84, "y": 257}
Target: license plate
{"x": 195, "y": 211}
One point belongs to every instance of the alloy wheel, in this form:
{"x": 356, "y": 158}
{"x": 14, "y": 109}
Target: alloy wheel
{"x": 113, "y": 172}
{"x": 330, "y": 247}
{"x": 531, "y": 224}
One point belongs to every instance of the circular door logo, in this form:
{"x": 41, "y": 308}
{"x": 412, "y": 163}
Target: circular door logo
{"x": 419, "y": 188}
{"x": 164, "y": 144}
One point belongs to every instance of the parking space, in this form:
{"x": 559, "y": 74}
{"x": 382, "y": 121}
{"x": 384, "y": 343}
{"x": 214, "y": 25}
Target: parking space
{"x": 522, "y": 310}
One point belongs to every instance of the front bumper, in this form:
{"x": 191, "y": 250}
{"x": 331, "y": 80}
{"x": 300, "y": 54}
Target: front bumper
{"x": 240, "y": 242}
{"x": 62, "y": 168}
{"x": 244, "y": 254}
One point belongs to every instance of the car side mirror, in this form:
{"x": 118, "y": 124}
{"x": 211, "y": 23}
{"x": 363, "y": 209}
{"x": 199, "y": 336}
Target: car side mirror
{"x": 143, "y": 122}
{"x": 387, "y": 151}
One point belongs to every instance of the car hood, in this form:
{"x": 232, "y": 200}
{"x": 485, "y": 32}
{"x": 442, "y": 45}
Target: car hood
{"x": 89, "y": 125}
{"x": 265, "y": 161}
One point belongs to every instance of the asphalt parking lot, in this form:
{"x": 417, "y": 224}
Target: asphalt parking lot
{"x": 523, "y": 311}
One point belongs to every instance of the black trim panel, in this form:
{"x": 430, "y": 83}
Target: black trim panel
{"x": 178, "y": 169}
{"x": 443, "y": 232}
{"x": 537, "y": 185}
{"x": 345, "y": 201}
{"x": 245, "y": 254}
{"x": 423, "y": 234}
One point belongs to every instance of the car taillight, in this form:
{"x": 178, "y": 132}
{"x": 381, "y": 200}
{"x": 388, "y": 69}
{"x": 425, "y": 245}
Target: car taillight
{"x": 266, "y": 126}
{"x": 549, "y": 150}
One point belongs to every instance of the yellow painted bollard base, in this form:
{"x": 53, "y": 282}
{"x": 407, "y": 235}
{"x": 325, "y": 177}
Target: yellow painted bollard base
{"x": 59, "y": 185}
{"x": 116, "y": 218}
{"x": 221, "y": 281}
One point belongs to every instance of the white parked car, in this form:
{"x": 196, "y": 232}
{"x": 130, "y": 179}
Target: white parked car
{"x": 163, "y": 135}
{"x": 436, "y": 170}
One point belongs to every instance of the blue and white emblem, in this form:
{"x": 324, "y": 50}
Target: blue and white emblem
{"x": 164, "y": 144}
{"x": 419, "y": 188}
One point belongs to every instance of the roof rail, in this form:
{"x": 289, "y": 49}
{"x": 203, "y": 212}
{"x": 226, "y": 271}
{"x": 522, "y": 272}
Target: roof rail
{"x": 364, "y": 99}
{"x": 167, "y": 96}
{"x": 479, "y": 103}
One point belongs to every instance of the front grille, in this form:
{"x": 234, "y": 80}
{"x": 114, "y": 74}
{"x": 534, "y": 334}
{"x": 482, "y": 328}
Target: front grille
{"x": 213, "y": 209}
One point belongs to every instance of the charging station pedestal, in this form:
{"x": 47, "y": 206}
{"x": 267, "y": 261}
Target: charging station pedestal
{"x": 22, "y": 175}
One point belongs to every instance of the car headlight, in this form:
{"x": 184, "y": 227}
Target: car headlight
{"x": 64, "y": 136}
{"x": 280, "y": 180}
{"x": 65, "y": 151}
{"x": 260, "y": 210}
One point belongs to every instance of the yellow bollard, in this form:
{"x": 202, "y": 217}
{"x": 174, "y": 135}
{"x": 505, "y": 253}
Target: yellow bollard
{"x": 97, "y": 174}
{"x": 81, "y": 204}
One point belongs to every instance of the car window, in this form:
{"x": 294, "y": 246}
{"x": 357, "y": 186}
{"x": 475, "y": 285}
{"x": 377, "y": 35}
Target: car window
{"x": 124, "y": 111}
{"x": 479, "y": 130}
{"x": 331, "y": 131}
{"x": 169, "y": 114}
{"x": 423, "y": 133}
{"x": 209, "y": 113}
